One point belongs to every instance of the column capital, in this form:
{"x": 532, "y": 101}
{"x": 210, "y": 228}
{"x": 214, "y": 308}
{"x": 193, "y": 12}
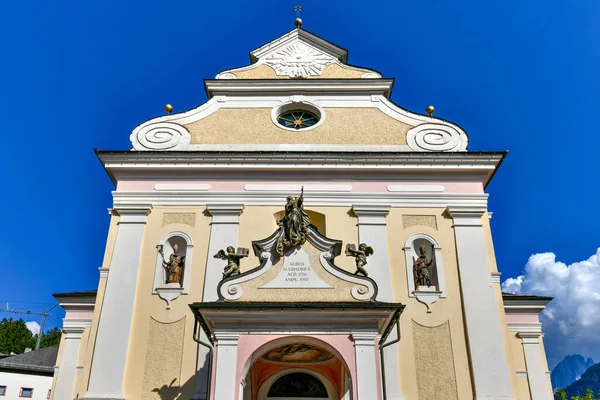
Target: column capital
{"x": 371, "y": 214}
{"x": 226, "y": 338}
{"x": 225, "y": 213}
{"x": 364, "y": 338}
{"x": 133, "y": 213}
{"x": 529, "y": 333}
{"x": 466, "y": 215}
{"x": 73, "y": 328}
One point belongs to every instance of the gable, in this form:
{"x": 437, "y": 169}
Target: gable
{"x": 298, "y": 54}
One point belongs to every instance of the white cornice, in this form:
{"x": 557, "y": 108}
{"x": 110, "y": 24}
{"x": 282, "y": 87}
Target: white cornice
{"x": 349, "y": 199}
{"x": 308, "y": 159}
{"x": 214, "y": 87}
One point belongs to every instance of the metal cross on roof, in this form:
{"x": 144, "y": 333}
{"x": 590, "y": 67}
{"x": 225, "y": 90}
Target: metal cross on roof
{"x": 298, "y": 8}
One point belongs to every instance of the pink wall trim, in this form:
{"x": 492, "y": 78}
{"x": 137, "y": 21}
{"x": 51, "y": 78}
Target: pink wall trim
{"x": 522, "y": 318}
{"x": 359, "y": 187}
{"x": 248, "y": 344}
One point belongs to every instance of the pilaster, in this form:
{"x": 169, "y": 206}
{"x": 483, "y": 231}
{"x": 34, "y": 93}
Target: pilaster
{"x": 67, "y": 369}
{"x": 368, "y": 383}
{"x": 539, "y": 384}
{"x": 225, "y": 381}
{"x": 491, "y": 379}
{"x": 223, "y": 232}
{"x": 114, "y": 327}
{"x": 372, "y": 231}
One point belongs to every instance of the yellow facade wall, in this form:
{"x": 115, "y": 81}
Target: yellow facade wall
{"x": 258, "y": 222}
{"x": 149, "y": 307}
{"x": 341, "y": 126}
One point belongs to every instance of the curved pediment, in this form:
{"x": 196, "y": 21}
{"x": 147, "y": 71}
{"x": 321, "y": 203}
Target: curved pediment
{"x": 305, "y": 272}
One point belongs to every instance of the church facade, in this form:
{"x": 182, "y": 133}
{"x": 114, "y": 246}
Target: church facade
{"x": 299, "y": 235}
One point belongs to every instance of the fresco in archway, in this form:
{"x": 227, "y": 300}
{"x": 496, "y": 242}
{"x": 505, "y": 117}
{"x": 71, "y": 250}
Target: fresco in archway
{"x": 298, "y": 353}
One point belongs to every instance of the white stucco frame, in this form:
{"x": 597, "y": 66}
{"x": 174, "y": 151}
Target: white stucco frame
{"x": 298, "y": 102}
{"x": 170, "y": 291}
{"x": 426, "y": 297}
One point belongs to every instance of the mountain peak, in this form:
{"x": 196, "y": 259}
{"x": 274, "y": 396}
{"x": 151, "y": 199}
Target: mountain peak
{"x": 569, "y": 370}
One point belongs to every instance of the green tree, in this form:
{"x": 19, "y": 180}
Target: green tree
{"x": 560, "y": 395}
{"x": 15, "y": 336}
{"x": 50, "y": 338}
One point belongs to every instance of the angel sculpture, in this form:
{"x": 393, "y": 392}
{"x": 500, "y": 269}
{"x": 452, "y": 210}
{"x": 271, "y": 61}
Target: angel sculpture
{"x": 421, "y": 267}
{"x": 294, "y": 224}
{"x": 360, "y": 256}
{"x": 173, "y": 267}
{"x": 233, "y": 260}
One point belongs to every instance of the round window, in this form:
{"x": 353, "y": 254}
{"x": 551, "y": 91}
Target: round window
{"x": 297, "y": 119}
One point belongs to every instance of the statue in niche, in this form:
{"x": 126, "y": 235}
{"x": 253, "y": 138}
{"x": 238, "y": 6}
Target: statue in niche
{"x": 233, "y": 260}
{"x": 173, "y": 267}
{"x": 360, "y": 255}
{"x": 294, "y": 225}
{"x": 422, "y": 267}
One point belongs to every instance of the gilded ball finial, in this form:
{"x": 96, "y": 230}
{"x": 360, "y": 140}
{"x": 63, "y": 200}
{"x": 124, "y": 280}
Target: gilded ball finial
{"x": 169, "y": 108}
{"x": 298, "y": 22}
{"x": 429, "y": 110}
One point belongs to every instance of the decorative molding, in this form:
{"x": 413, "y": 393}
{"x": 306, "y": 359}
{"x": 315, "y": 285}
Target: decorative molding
{"x": 496, "y": 277}
{"x": 364, "y": 288}
{"x": 225, "y": 213}
{"x": 416, "y": 188}
{"x": 370, "y": 75}
{"x": 179, "y": 218}
{"x": 298, "y": 60}
{"x": 466, "y": 216}
{"x": 371, "y": 214}
{"x": 181, "y": 187}
{"x": 103, "y": 272}
{"x": 436, "y": 137}
{"x": 408, "y": 221}
{"x": 220, "y": 203}
{"x": 160, "y": 136}
{"x": 298, "y": 160}
{"x": 525, "y": 328}
{"x": 296, "y": 187}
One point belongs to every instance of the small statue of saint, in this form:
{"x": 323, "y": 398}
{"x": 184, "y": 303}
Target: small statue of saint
{"x": 173, "y": 267}
{"x": 294, "y": 224}
{"x": 421, "y": 267}
{"x": 360, "y": 255}
{"x": 233, "y": 260}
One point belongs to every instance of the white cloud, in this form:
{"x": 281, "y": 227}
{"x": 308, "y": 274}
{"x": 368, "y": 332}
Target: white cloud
{"x": 33, "y": 326}
{"x": 571, "y": 322}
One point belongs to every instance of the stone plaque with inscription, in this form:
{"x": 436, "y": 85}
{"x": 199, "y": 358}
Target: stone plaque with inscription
{"x": 296, "y": 272}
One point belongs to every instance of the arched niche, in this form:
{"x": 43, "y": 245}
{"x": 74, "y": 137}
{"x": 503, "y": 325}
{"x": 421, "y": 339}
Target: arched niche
{"x": 170, "y": 291}
{"x": 316, "y": 218}
{"x": 436, "y": 287}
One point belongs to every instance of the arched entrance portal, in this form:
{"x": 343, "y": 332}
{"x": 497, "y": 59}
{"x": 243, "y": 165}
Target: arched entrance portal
{"x": 296, "y": 368}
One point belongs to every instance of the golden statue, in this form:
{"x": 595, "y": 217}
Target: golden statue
{"x": 173, "y": 267}
{"x": 233, "y": 260}
{"x": 360, "y": 255}
{"x": 294, "y": 225}
{"x": 421, "y": 267}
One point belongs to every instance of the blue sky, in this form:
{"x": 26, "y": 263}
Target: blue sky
{"x": 76, "y": 76}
